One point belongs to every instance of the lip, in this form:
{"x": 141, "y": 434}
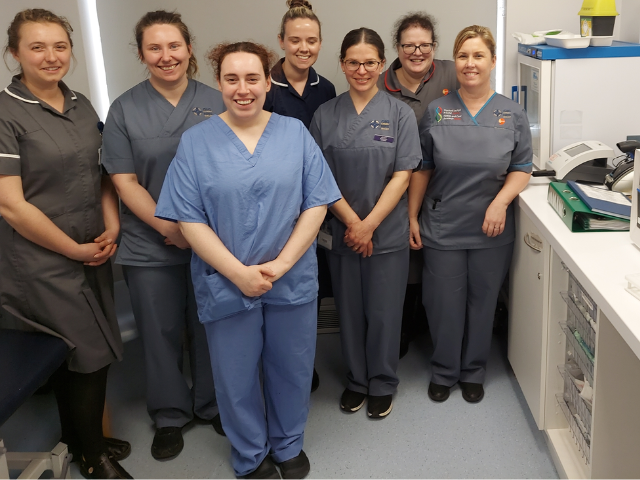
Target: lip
{"x": 249, "y": 101}
{"x": 168, "y": 68}
{"x": 52, "y": 69}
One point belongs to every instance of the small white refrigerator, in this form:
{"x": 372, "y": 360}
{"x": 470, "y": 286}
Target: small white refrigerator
{"x": 573, "y": 95}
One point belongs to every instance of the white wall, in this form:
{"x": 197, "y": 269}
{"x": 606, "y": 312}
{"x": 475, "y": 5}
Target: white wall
{"x": 217, "y": 20}
{"x": 77, "y": 78}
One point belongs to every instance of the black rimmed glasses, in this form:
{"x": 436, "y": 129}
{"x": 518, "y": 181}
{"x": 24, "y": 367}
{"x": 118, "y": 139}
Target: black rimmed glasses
{"x": 409, "y": 48}
{"x": 369, "y": 65}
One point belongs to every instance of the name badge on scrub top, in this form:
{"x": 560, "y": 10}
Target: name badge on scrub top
{"x": 383, "y": 138}
{"x": 325, "y": 239}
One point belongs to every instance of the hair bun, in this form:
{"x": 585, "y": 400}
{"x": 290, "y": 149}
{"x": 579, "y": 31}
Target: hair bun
{"x": 299, "y": 3}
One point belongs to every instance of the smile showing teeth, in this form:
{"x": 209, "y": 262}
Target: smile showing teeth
{"x": 303, "y": 57}
{"x": 244, "y": 102}
{"x": 168, "y": 68}
{"x": 52, "y": 69}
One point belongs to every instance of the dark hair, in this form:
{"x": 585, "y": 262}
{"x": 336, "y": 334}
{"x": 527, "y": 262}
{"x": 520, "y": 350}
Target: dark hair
{"x": 475, "y": 31}
{"x": 218, "y": 53}
{"x": 362, "y": 35}
{"x": 298, "y": 9}
{"x": 414, "y": 19}
{"x": 36, "y": 15}
{"x": 162, "y": 17}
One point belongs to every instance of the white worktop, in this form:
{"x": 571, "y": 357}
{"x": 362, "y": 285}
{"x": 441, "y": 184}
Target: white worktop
{"x": 599, "y": 260}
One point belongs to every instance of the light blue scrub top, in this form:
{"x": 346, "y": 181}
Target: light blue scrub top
{"x": 470, "y": 157}
{"x": 252, "y": 202}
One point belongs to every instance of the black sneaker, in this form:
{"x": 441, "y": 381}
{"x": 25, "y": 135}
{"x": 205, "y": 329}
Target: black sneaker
{"x": 102, "y": 467}
{"x": 352, "y": 401}
{"x": 167, "y": 443}
{"x": 116, "y": 449}
{"x": 297, "y": 467}
{"x": 266, "y": 469}
{"x": 472, "y": 392}
{"x": 217, "y": 425}
{"x": 379, "y": 406}
{"x": 438, "y": 393}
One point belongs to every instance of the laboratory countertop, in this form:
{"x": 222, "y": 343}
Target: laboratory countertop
{"x": 599, "y": 260}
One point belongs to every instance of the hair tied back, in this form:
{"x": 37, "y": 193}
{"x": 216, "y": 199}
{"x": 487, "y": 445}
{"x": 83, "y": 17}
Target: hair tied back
{"x": 299, "y": 3}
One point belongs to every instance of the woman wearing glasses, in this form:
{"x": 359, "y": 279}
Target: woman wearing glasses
{"x": 370, "y": 141}
{"x": 417, "y": 79}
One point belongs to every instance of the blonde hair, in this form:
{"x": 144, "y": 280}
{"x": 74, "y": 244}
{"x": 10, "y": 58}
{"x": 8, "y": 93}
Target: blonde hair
{"x": 298, "y": 9}
{"x": 475, "y": 31}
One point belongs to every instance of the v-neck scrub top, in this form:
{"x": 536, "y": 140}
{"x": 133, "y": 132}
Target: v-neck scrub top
{"x": 56, "y": 156}
{"x": 252, "y": 202}
{"x": 141, "y": 136}
{"x": 470, "y": 157}
{"x": 363, "y": 152}
{"x": 283, "y": 99}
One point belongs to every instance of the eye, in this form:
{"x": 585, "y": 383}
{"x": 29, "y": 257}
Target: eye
{"x": 371, "y": 64}
{"x": 175, "y": 46}
{"x": 352, "y": 64}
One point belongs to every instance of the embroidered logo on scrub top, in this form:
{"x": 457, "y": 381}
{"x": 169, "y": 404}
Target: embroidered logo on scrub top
{"x": 506, "y": 113}
{"x": 497, "y": 112}
{"x": 452, "y": 114}
{"x": 197, "y": 111}
{"x": 383, "y": 138}
{"x": 438, "y": 114}
{"x": 374, "y": 124}
{"x": 384, "y": 124}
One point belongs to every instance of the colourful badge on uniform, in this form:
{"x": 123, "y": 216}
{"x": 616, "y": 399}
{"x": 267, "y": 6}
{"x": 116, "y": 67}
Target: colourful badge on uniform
{"x": 438, "y": 114}
{"x": 501, "y": 121}
{"x": 506, "y": 113}
{"x": 374, "y": 124}
{"x": 497, "y": 112}
{"x": 445, "y": 91}
{"x": 197, "y": 111}
{"x": 384, "y": 124}
{"x": 383, "y": 138}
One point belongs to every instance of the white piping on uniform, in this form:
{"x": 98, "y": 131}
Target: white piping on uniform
{"x": 74, "y": 95}
{"x": 317, "y": 80}
{"x": 276, "y": 83}
{"x": 9, "y": 155}
{"x": 20, "y": 98}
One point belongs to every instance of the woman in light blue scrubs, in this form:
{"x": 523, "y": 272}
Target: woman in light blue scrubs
{"x": 140, "y": 139}
{"x": 297, "y": 91}
{"x": 249, "y": 190}
{"x": 477, "y": 154}
{"x": 371, "y": 143}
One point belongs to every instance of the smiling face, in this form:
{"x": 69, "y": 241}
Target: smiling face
{"x": 362, "y": 80}
{"x": 44, "y": 54}
{"x": 417, "y": 64}
{"x": 474, "y": 63}
{"x": 301, "y": 43}
{"x": 166, "y": 54}
{"x": 243, "y": 85}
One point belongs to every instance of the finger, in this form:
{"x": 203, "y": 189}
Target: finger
{"x": 268, "y": 271}
{"x": 167, "y": 241}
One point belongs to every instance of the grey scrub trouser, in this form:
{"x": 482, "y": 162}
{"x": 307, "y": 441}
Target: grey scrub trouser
{"x": 164, "y": 305}
{"x": 460, "y": 291}
{"x": 369, "y": 294}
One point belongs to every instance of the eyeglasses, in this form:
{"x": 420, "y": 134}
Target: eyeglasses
{"x": 410, "y": 49}
{"x": 369, "y": 65}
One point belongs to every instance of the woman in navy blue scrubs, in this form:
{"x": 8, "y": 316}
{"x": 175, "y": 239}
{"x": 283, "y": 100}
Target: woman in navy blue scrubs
{"x": 297, "y": 91}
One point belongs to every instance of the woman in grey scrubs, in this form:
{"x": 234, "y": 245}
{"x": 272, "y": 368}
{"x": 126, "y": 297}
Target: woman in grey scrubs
{"x": 141, "y": 137}
{"x": 370, "y": 141}
{"x": 417, "y": 79}
{"x": 57, "y": 231}
{"x": 477, "y": 154}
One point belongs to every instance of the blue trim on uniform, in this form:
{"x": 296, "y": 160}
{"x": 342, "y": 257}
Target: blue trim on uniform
{"x": 519, "y": 166}
{"x": 473, "y": 117}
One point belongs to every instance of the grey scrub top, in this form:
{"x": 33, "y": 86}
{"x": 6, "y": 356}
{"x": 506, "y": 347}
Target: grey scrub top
{"x": 363, "y": 152}
{"x": 56, "y": 156}
{"x": 141, "y": 136}
{"x": 470, "y": 158}
{"x": 439, "y": 81}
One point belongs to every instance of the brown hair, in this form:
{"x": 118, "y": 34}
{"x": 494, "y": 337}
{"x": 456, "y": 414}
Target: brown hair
{"x": 414, "y": 19}
{"x": 475, "y": 31}
{"x": 298, "y": 9}
{"x": 218, "y": 53}
{"x": 162, "y": 17}
{"x": 36, "y": 15}
{"x": 362, "y": 35}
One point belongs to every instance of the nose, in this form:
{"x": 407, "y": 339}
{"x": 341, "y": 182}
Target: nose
{"x": 166, "y": 55}
{"x": 243, "y": 87}
{"x": 361, "y": 70}
{"x": 50, "y": 55}
{"x": 304, "y": 46}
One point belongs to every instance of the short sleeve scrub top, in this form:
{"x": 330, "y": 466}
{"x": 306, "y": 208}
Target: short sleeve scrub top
{"x": 56, "y": 156}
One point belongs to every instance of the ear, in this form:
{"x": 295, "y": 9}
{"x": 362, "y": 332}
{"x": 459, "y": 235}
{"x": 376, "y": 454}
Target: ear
{"x": 190, "y": 50}
{"x": 15, "y": 55}
{"x": 493, "y": 62}
{"x": 281, "y": 42}
{"x": 268, "y": 83}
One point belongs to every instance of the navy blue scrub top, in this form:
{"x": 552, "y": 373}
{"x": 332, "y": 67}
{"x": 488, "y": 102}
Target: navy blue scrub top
{"x": 141, "y": 136}
{"x": 284, "y": 100}
{"x": 470, "y": 157}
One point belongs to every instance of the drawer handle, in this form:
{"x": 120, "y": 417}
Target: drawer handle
{"x": 533, "y": 242}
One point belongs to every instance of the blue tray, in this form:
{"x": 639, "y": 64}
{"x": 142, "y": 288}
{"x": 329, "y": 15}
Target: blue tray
{"x": 547, "y": 52}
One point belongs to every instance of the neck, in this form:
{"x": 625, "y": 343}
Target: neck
{"x": 362, "y": 98}
{"x": 171, "y": 91}
{"x": 478, "y": 94}
{"x": 46, "y": 92}
{"x": 294, "y": 74}
{"x": 239, "y": 123}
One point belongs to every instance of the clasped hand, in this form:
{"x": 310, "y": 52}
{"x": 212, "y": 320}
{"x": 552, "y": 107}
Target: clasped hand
{"x": 255, "y": 280}
{"x": 358, "y": 237}
{"x": 98, "y": 252}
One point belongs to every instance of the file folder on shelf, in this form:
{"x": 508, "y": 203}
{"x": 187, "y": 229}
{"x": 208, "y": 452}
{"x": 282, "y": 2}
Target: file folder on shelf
{"x": 576, "y": 215}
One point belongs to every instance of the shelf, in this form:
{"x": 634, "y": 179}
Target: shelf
{"x": 578, "y": 319}
{"x": 581, "y": 298}
{"x": 582, "y": 443}
{"x": 578, "y": 354}
{"x": 572, "y": 396}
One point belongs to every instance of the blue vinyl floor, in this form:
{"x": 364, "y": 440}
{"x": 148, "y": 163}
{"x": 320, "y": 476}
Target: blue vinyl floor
{"x": 496, "y": 438}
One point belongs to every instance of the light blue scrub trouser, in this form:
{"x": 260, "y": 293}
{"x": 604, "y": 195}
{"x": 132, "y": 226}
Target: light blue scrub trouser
{"x": 164, "y": 305}
{"x": 460, "y": 290}
{"x": 283, "y": 337}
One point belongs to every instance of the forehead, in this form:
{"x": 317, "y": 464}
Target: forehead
{"x": 302, "y": 27}
{"x": 161, "y": 32}
{"x": 241, "y": 63}
{"x": 416, "y": 34}
{"x": 361, "y": 51}
{"x": 474, "y": 45}
{"x": 47, "y": 32}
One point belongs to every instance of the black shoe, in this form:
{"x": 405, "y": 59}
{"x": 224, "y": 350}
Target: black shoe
{"x": 167, "y": 443}
{"x": 379, "y": 406}
{"x": 297, "y": 467}
{"x": 352, "y": 401}
{"x": 217, "y": 425}
{"x": 315, "y": 381}
{"x": 404, "y": 345}
{"x": 472, "y": 392}
{"x": 438, "y": 393}
{"x": 116, "y": 449}
{"x": 102, "y": 467}
{"x": 266, "y": 469}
